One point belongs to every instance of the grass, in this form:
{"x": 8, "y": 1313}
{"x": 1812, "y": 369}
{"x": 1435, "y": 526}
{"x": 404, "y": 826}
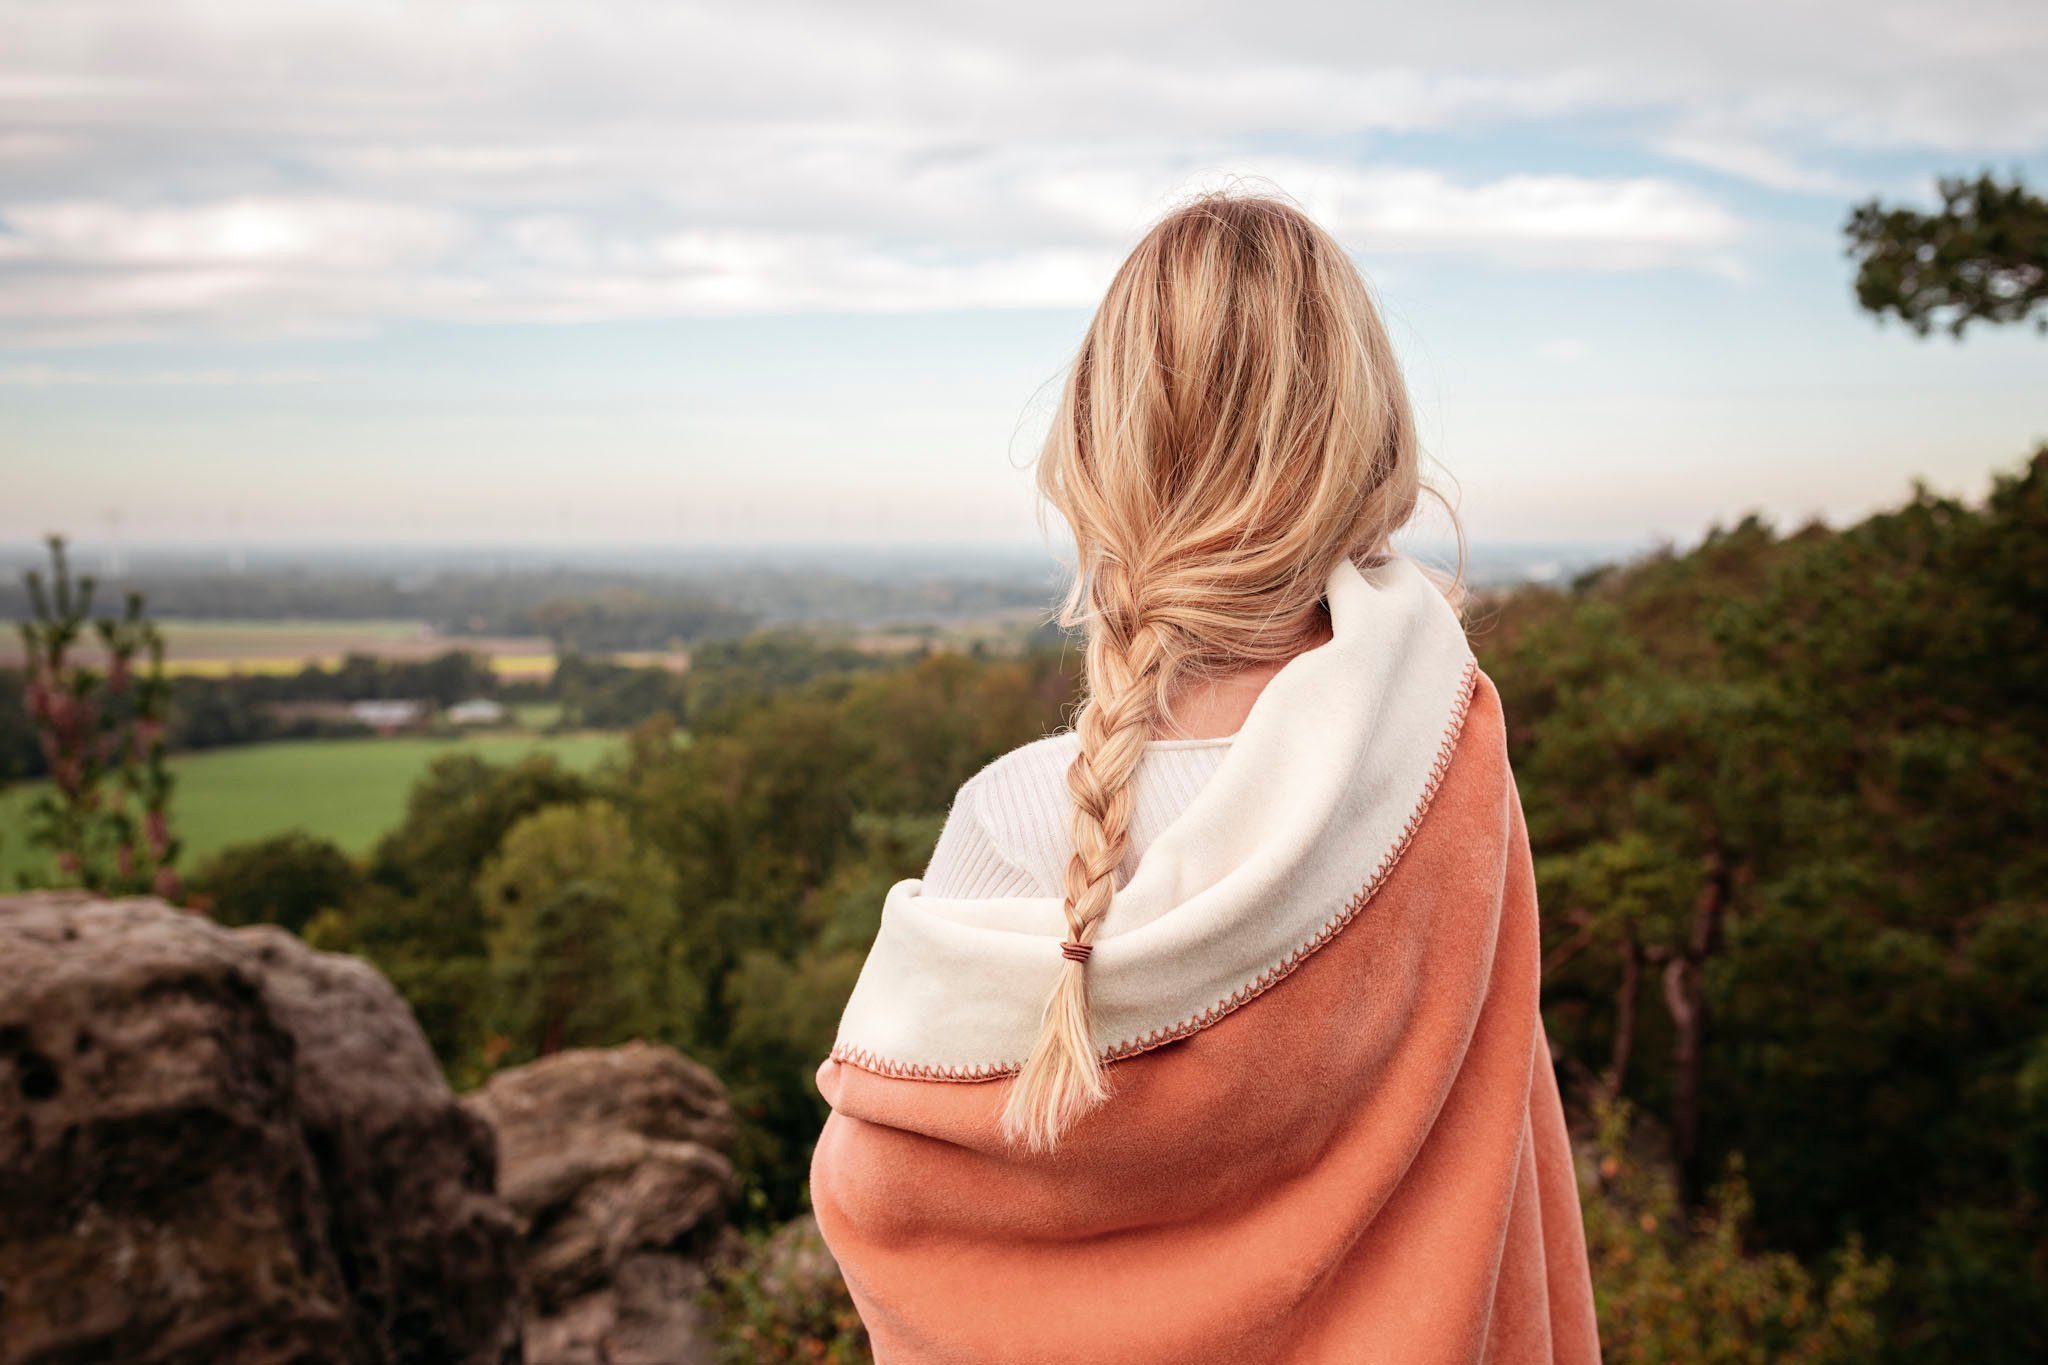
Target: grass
{"x": 346, "y": 790}
{"x": 536, "y": 715}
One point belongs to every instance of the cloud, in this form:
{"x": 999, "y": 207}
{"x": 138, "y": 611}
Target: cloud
{"x": 61, "y": 376}
{"x": 1049, "y": 238}
{"x": 1556, "y": 220}
{"x": 1750, "y": 159}
{"x": 329, "y": 234}
{"x": 239, "y": 165}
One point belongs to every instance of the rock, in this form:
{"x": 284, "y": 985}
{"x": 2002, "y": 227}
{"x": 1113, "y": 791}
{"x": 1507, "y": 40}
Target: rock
{"x": 616, "y": 1163}
{"x": 219, "y": 1145}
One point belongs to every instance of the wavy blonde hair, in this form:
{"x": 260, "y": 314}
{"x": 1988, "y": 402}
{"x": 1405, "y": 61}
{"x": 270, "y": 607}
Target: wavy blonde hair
{"x": 1234, "y": 425}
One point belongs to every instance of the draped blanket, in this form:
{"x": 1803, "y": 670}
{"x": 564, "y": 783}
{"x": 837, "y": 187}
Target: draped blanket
{"x": 1333, "y": 1131}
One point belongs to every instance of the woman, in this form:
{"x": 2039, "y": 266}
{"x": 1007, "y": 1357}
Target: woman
{"x": 1211, "y": 1033}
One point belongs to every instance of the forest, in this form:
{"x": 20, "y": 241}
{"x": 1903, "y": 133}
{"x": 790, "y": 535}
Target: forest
{"x": 1785, "y": 792}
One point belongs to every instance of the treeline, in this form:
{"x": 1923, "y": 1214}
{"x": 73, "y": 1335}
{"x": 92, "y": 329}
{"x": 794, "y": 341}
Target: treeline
{"x": 593, "y": 693}
{"x": 211, "y": 713}
{"x": 602, "y": 694}
{"x": 578, "y": 610}
{"x": 1786, "y": 795}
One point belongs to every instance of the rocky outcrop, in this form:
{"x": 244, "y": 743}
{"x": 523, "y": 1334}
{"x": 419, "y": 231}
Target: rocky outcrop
{"x": 223, "y": 1146}
{"x": 616, "y": 1163}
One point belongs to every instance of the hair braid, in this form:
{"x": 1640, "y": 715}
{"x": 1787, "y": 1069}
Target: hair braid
{"x": 1127, "y": 662}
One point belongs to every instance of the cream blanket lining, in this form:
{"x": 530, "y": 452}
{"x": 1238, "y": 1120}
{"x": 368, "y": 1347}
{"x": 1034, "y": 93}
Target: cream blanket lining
{"x": 1315, "y": 801}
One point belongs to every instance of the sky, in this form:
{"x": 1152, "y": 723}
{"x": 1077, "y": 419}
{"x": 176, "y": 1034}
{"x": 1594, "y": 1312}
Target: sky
{"x": 619, "y": 272}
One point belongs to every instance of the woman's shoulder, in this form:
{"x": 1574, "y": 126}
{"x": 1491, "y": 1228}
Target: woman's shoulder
{"x": 1026, "y": 769}
{"x": 1006, "y": 831}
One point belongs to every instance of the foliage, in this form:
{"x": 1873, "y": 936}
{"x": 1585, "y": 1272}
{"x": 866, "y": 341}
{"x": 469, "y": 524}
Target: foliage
{"x": 20, "y": 754}
{"x": 420, "y": 918}
{"x": 507, "y": 601}
{"x": 284, "y": 880}
{"x": 1981, "y": 257}
{"x": 728, "y": 673}
{"x": 630, "y": 616}
{"x": 583, "y": 935}
{"x": 209, "y": 712}
{"x": 781, "y": 1300}
{"x": 784, "y": 1008}
{"x": 1785, "y": 795}
{"x": 599, "y": 695}
{"x": 106, "y": 817}
{"x": 1679, "y": 1287}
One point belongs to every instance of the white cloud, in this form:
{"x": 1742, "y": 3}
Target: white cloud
{"x": 95, "y": 269}
{"x": 1574, "y": 221}
{"x": 1750, "y": 159}
{"x": 337, "y": 235}
{"x": 61, "y": 376}
{"x": 239, "y": 164}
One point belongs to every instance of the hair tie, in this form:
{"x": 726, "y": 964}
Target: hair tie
{"x": 1076, "y": 952}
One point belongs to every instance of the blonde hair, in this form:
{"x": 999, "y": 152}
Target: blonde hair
{"x": 1234, "y": 426}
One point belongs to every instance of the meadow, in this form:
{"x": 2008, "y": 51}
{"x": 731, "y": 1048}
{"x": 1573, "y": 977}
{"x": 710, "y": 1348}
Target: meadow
{"x": 348, "y": 791}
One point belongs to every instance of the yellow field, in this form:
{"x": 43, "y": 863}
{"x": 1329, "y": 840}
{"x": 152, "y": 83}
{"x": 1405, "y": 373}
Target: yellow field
{"x": 220, "y": 649}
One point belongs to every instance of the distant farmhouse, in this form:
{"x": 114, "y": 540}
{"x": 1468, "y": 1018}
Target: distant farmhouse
{"x": 390, "y": 715}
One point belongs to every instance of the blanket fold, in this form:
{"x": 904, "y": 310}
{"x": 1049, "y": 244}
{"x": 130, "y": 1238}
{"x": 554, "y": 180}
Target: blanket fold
{"x": 1333, "y": 1132}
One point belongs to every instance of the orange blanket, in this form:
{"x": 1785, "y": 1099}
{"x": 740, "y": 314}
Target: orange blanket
{"x": 1360, "y": 1156}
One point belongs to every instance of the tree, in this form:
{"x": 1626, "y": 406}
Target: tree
{"x": 1982, "y": 257}
{"x": 285, "y": 880}
{"x": 597, "y": 694}
{"x": 419, "y": 919}
{"x": 583, "y": 935}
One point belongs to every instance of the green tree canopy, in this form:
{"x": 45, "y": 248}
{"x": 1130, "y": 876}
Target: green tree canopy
{"x": 1981, "y": 257}
{"x": 285, "y": 880}
{"x": 583, "y": 934}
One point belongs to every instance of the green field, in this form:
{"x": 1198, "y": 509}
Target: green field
{"x": 347, "y": 790}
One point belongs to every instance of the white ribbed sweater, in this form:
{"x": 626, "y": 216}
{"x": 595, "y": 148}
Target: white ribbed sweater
{"x": 1008, "y": 833}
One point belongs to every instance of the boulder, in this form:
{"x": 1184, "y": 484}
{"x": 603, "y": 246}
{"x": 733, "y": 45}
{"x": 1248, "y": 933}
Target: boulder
{"x": 219, "y": 1145}
{"x": 616, "y": 1163}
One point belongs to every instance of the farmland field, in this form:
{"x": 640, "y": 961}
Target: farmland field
{"x": 220, "y": 648}
{"x": 347, "y": 790}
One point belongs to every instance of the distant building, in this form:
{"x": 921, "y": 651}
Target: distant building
{"x": 477, "y": 711}
{"x": 293, "y": 713}
{"x": 389, "y": 715}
